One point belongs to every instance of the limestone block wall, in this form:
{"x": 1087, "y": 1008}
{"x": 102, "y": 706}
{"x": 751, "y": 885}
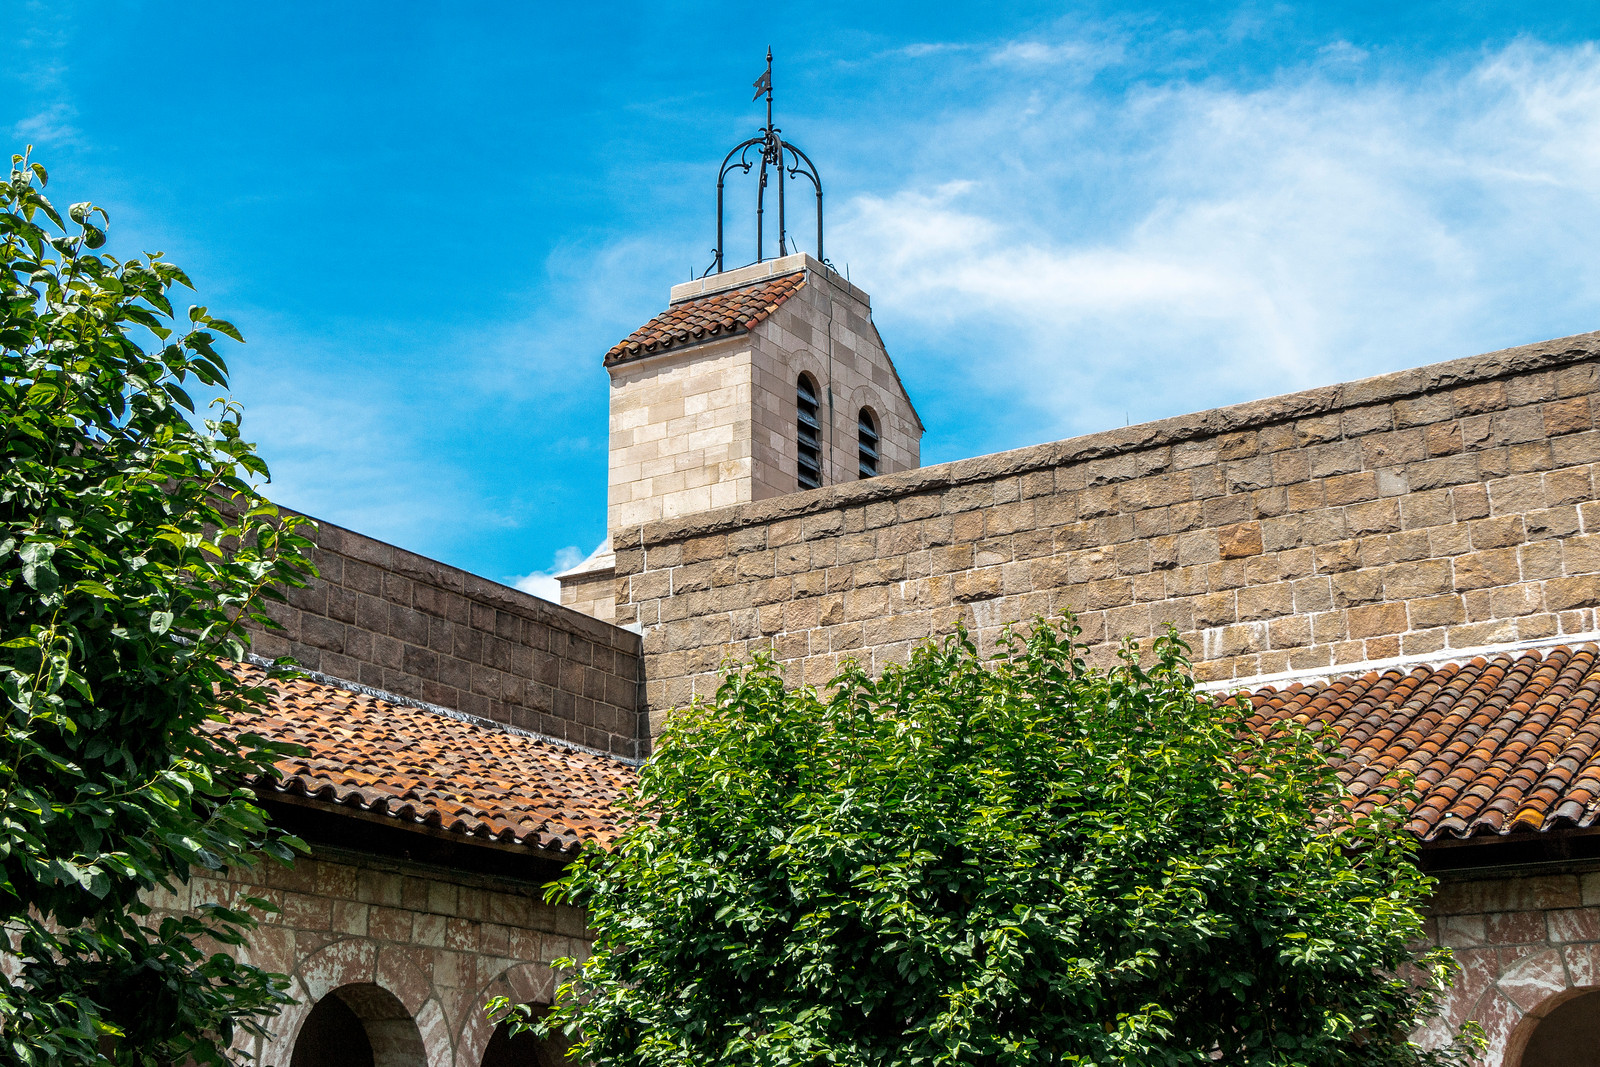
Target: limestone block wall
{"x": 1525, "y": 943}
{"x": 826, "y": 330}
{"x": 383, "y": 617}
{"x": 437, "y": 942}
{"x": 1450, "y": 506}
{"x": 680, "y": 433}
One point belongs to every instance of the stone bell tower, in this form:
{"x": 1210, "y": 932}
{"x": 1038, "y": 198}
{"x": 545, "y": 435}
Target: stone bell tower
{"x": 754, "y": 382}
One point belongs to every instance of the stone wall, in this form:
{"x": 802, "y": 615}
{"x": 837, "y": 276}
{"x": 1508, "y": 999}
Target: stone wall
{"x": 1450, "y": 506}
{"x": 439, "y": 942}
{"x": 383, "y": 617}
{"x": 680, "y": 433}
{"x": 826, "y": 331}
{"x": 1525, "y": 942}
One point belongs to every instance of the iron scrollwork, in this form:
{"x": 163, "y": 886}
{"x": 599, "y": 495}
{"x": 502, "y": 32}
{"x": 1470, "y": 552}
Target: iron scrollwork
{"x": 775, "y": 158}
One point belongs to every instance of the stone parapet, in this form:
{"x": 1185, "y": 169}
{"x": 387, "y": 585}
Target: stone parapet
{"x": 1448, "y": 506}
{"x": 404, "y": 624}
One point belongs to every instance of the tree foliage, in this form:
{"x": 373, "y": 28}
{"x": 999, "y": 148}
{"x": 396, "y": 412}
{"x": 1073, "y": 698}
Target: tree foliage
{"x": 1015, "y": 860}
{"x": 132, "y": 550}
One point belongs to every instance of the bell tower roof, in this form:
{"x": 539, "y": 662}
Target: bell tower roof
{"x": 707, "y": 317}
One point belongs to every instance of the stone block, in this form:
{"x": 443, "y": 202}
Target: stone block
{"x": 1352, "y": 588}
{"x": 1479, "y": 398}
{"x": 1562, "y": 594}
{"x": 1531, "y": 456}
{"x": 1581, "y": 554}
{"x": 1394, "y": 449}
{"x": 1376, "y": 516}
{"x": 1574, "y": 485}
{"x": 1574, "y": 449}
{"x": 1215, "y": 609}
{"x": 1423, "y": 410}
{"x": 1558, "y": 522}
{"x": 1239, "y": 540}
{"x": 1442, "y": 439}
{"x": 1374, "y": 620}
{"x": 1258, "y": 602}
{"x": 1313, "y": 594}
{"x": 1228, "y": 574}
{"x": 1423, "y": 578}
{"x": 1498, "y": 532}
{"x": 1343, "y": 457}
{"x": 1200, "y": 546}
{"x": 1516, "y": 601}
{"x": 1480, "y": 570}
{"x": 1437, "y": 473}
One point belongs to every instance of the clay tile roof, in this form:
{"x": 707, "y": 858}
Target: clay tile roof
{"x": 1497, "y": 745}
{"x": 423, "y": 767}
{"x": 728, "y": 312}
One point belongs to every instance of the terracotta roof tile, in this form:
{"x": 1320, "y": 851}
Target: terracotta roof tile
{"x": 424, "y": 767}
{"x": 1497, "y": 745}
{"x": 728, "y": 312}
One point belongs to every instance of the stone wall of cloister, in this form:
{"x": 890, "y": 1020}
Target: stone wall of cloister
{"x": 1451, "y": 506}
{"x": 440, "y": 942}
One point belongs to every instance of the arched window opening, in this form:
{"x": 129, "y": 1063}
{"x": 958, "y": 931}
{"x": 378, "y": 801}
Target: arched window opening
{"x": 1568, "y": 1037}
{"x": 808, "y": 433}
{"x": 359, "y": 1026}
{"x": 867, "y": 444}
{"x": 525, "y": 1050}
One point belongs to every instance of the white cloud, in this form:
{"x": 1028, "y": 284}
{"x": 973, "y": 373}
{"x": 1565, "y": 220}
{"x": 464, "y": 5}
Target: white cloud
{"x": 51, "y": 127}
{"x": 543, "y": 583}
{"x": 1342, "y": 52}
{"x": 1195, "y": 244}
{"x": 1086, "y": 55}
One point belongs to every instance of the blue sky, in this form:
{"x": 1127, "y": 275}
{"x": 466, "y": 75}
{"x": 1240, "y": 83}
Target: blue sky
{"x": 431, "y": 220}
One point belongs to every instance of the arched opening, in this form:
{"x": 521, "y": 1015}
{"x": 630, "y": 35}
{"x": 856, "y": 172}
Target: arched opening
{"x": 867, "y": 444}
{"x": 808, "y": 433}
{"x": 1567, "y": 1037}
{"x": 524, "y": 1050}
{"x": 359, "y": 1026}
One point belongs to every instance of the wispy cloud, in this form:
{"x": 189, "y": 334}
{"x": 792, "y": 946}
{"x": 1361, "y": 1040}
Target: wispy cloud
{"x": 51, "y": 127}
{"x": 1086, "y": 55}
{"x": 1220, "y": 244}
{"x": 543, "y": 583}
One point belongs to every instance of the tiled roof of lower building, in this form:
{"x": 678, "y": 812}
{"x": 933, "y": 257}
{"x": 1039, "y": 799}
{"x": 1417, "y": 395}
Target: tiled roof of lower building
{"x": 423, "y": 767}
{"x": 1496, "y": 745}
{"x": 728, "y": 312}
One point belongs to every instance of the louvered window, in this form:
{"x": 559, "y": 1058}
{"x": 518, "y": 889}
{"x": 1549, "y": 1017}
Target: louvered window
{"x": 808, "y": 433}
{"x": 867, "y": 444}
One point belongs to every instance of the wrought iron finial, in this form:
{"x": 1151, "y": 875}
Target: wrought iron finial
{"x": 776, "y": 157}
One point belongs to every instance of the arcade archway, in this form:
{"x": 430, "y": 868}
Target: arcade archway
{"x": 360, "y": 1025}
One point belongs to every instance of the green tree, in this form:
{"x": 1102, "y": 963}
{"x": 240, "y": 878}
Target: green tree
{"x": 1014, "y": 860}
{"x": 133, "y": 548}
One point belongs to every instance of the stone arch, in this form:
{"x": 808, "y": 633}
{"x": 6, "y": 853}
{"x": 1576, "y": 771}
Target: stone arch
{"x": 1563, "y": 1030}
{"x": 351, "y": 962}
{"x": 524, "y": 983}
{"x": 356, "y": 1024}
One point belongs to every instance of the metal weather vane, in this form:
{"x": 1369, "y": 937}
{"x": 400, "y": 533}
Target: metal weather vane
{"x": 775, "y": 157}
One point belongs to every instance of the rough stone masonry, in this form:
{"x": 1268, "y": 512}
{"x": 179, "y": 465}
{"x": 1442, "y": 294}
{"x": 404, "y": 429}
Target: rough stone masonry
{"x": 1450, "y": 506}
